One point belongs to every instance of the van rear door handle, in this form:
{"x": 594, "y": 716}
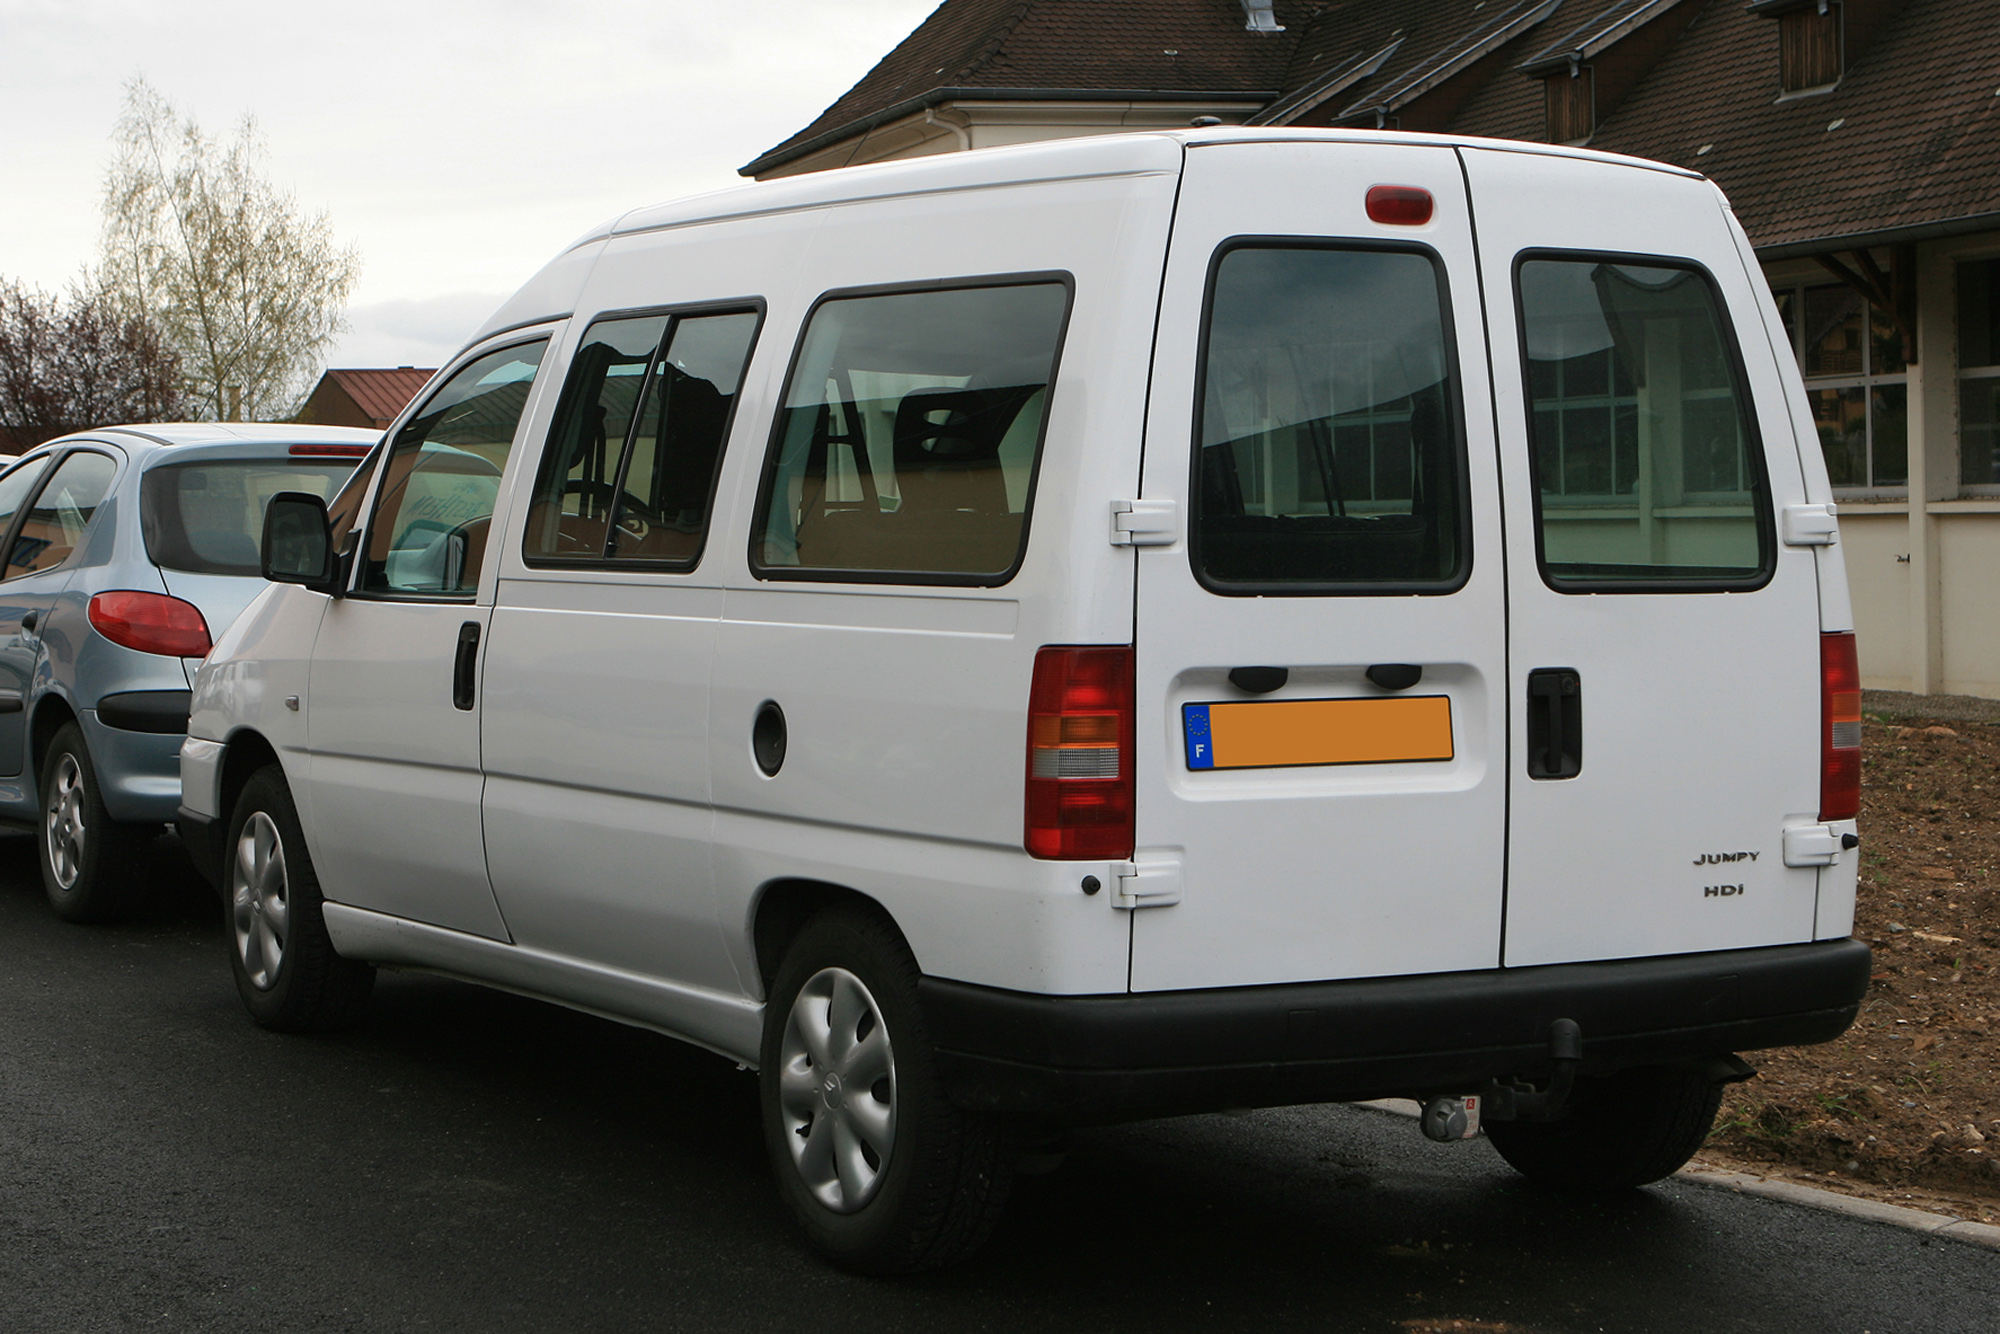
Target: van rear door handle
{"x": 1396, "y": 675}
{"x": 461, "y": 671}
{"x": 1555, "y": 723}
{"x": 28, "y": 621}
{"x": 1259, "y": 680}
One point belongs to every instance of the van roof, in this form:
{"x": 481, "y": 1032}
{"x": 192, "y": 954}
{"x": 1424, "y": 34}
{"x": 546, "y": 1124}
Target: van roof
{"x": 1138, "y": 153}
{"x": 551, "y": 292}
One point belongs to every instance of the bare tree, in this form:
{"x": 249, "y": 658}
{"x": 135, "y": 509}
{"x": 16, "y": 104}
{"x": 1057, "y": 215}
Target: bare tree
{"x": 70, "y": 365}
{"x": 245, "y": 287}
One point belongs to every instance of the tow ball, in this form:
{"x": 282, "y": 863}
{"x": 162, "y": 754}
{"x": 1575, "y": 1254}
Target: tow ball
{"x": 1455, "y": 1118}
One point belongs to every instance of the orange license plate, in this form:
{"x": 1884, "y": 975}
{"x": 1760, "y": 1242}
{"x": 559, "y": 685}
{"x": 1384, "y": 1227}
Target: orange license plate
{"x": 1272, "y": 734}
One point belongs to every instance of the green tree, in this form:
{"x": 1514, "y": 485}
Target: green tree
{"x": 246, "y": 288}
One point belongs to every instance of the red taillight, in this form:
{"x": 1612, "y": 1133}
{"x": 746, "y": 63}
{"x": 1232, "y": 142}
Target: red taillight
{"x": 329, "y": 451}
{"x": 1080, "y": 754}
{"x": 151, "y": 623}
{"x": 1839, "y": 728}
{"x": 1400, "y": 205}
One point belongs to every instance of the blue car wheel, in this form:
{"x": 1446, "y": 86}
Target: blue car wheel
{"x": 93, "y": 867}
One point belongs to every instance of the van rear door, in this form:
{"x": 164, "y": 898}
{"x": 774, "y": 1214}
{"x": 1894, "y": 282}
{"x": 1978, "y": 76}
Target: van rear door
{"x": 1664, "y": 655}
{"x": 1319, "y": 424}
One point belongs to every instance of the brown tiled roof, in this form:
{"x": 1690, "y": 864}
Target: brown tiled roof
{"x": 1443, "y": 41}
{"x": 382, "y": 393}
{"x": 1156, "y": 49}
{"x": 1605, "y": 25}
{"x": 1909, "y": 139}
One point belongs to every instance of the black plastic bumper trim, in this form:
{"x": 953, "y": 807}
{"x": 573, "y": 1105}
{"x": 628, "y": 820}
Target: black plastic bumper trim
{"x": 159, "y": 711}
{"x": 1124, "y": 1057}
{"x": 201, "y": 837}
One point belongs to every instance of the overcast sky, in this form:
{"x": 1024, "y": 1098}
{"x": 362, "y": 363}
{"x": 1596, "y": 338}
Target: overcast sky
{"x": 460, "y": 145}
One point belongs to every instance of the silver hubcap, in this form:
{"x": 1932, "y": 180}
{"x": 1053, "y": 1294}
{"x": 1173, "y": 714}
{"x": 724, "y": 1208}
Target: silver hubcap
{"x": 65, "y": 828}
{"x": 258, "y": 905}
{"x": 837, "y": 1090}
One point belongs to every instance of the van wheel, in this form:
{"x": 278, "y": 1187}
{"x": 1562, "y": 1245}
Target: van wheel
{"x": 1632, "y": 1129}
{"x": 884, "y": 1174}
{"x": 93, "y": 867}
{"x": 286, "y": 969}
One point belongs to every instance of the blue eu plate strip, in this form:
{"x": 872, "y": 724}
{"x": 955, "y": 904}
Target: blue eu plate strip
{"x": 1200, "y": 745}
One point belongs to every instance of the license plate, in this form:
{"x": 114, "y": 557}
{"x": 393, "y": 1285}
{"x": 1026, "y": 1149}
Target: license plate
{"x": 1273, "y": 734}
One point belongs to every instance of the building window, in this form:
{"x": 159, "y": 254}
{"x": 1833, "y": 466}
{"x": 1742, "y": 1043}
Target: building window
{"x": 1979, "y": 376}
{"x": 1857, "y": 380}
{"x": 1809, "y": 47}
{"x": 1568, "y": 99}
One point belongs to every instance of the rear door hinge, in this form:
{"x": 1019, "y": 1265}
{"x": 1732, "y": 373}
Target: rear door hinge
{"x": 1818, "y": 844}
{"x": 1149, "y": 880}
{"x": 1143, "y": 523}
{"x": 1809, "y": 525}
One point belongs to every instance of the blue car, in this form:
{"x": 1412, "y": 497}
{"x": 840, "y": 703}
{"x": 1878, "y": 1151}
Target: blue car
{"x": 128, "y": 550}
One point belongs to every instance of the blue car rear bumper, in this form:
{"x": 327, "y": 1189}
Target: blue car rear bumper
{"x": 139, "y": 773}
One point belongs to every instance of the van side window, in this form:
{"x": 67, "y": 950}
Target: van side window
{"x": 1648, "y": 469}
{"x": 1331, "y": 454}
{"x": 907, "y": 446}
{"x": 442, "y": 475}
{"x": 570, "y": 517}
{"x": 52, "y": 528}
{"x": 631, "y": 461}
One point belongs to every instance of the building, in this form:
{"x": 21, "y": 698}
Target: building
{"x": 365, "y": 398}
{"x": 1859, "y": 141}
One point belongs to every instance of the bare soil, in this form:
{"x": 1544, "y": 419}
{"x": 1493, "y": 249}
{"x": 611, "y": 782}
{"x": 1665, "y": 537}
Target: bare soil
{"x": 1906, "y": 1106}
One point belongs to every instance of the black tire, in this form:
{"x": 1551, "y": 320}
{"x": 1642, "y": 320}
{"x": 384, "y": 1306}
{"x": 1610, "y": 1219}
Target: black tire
{"x": 286, "y": 969}
{"x": 941, "y": 1187}
{"x": 1631, "y": 1129}
{"x": 93, "y": 867}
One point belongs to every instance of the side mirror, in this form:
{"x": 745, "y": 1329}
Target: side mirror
{"x": 298, "y": 543}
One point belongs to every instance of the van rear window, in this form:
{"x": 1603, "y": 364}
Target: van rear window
{"x": 1331, "y": 456}
{"x": 907, "y": 446}
{"x": 1648, "y": 470}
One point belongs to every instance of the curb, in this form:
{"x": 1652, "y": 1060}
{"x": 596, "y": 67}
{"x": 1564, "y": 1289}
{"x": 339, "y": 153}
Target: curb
{"x": 1810, "y": 1197}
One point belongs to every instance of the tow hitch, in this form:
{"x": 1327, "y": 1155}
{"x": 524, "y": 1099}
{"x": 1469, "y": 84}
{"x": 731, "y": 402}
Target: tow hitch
{"x": 1447, "y": 1119}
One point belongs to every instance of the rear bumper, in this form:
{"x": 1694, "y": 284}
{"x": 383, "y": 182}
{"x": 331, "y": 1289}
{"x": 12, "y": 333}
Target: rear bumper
{"x": 138, "y": 772}
{"x": 1081, "y": 1059}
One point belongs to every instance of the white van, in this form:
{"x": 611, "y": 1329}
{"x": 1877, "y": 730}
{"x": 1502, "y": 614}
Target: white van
{"x": 1083, "y": 632}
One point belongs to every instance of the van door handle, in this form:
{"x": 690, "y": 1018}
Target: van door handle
{"x": 1395, "y": 675}
{"x": 1555, "y": 723}
{"x": 29, "y": 620}
{"x": 461, "y": 672}
{"x": 1259, "y": 680}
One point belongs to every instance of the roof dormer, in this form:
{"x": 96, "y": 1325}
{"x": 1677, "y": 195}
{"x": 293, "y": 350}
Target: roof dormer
{"x": 1809, "y": 43}
{"x": 1818, "y": 40}
{"x": 1588, "y": 70}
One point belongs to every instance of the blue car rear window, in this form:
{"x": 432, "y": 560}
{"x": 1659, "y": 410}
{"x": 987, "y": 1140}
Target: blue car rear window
{"x": 208, "y": 517}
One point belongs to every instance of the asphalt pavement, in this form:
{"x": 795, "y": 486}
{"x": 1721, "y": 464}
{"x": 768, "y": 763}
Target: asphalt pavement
{"x": 470, "y": 1160}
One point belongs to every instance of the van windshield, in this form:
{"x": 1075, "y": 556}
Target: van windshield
{"x": 208, "y": 517}
{"x": 1330, "y": 453}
